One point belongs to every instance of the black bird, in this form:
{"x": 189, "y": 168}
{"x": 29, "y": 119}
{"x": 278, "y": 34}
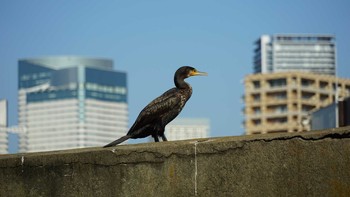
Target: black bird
{"x": 162, "y": 110}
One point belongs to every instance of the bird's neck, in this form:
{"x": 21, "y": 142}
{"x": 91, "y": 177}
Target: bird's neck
{"x": 180, "y": 83}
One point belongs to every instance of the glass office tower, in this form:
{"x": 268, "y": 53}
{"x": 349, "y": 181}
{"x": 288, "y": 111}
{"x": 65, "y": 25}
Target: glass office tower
{"x": 70, "y": 102}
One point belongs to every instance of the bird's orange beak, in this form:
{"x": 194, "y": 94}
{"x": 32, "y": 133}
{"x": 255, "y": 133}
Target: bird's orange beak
{"x": 198, "y": 73}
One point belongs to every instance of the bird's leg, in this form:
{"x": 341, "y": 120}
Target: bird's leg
{"x": 156, "y": 139}
{"x": 164, "y": 138}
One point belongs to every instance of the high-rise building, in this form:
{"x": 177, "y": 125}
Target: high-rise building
{"x": 281, "y": 102}
{"x": 187, "y": 128}
{"x": 3, "y": 127}
{"x": 286, "y": 52}
{"x": 69, "y": 102}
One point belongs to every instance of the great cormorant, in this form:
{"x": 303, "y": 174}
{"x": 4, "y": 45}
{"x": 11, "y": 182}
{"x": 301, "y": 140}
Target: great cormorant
{"x": 158, "y": 113}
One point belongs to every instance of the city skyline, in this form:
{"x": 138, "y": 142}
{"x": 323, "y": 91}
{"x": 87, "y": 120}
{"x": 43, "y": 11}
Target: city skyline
{"x": 150, "y": 40}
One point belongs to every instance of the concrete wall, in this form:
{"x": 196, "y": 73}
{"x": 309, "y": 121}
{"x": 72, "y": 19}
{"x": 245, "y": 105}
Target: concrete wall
{"x": 299, "y": 164}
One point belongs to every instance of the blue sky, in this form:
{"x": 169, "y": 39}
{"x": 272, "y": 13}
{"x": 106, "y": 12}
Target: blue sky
{"x": 151, "y": 39}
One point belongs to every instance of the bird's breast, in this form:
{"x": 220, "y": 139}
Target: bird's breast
{"x": 185, "y": 95}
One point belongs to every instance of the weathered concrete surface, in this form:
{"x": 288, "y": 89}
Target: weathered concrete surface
{"x": 301, "y": 164}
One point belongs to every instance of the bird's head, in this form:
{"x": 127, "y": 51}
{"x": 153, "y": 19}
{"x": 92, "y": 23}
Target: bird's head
{"x": 185, "y": 72}
{"x": 188, "y": 71}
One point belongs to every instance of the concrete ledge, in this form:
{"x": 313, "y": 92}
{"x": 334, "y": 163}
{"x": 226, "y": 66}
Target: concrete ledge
{"x": 301, "y": 164}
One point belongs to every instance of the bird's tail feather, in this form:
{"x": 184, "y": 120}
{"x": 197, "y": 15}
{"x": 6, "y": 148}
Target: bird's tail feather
{"x": 118, "y": 141}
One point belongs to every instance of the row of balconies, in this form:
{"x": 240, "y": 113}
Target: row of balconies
{"x": 307, "y": 99}
{"x": 276, "y": 124}
{"x": 311, "y": 88}
{"x": 280, "y": 114}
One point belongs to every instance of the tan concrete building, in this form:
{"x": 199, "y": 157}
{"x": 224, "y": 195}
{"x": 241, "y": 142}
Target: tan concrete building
{"x": 280, "y": 102}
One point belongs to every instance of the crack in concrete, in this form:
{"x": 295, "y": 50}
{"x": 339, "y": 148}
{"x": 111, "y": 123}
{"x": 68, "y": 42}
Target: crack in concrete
{"x": 195, "y": 168}
{"x": 84, "y": 163}
{"x": 328, "y": 136}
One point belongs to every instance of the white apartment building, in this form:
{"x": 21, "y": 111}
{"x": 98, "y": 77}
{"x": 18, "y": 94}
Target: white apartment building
{"x": 295, "y": 52}
{"x": 3, "y": 127}
{"x": 187, "y": 128}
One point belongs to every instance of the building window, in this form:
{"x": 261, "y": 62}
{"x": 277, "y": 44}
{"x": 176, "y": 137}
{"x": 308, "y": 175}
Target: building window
{"x": 256, "y": 97}
{"x": 323, "y": 85}
{"x": 257, "y": 122}
{"x": 323, "y": 97}
{"x": 277, "y": 120}
{"x": 306, "y": 108}
{"x": 277, "y": 109}
{"x": 257, "y": 110}
{"x": 281, "y": 109}
{"x": 256, "y": 84}
{"x": 306, "y": 82}
{"x": 307, "y": 95}
{"x": 277, "y": 95}
{"x": 277, "y": 83}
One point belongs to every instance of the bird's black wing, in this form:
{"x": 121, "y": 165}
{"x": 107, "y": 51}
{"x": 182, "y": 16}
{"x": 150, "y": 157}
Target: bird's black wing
{"x": 156, "y": 109}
